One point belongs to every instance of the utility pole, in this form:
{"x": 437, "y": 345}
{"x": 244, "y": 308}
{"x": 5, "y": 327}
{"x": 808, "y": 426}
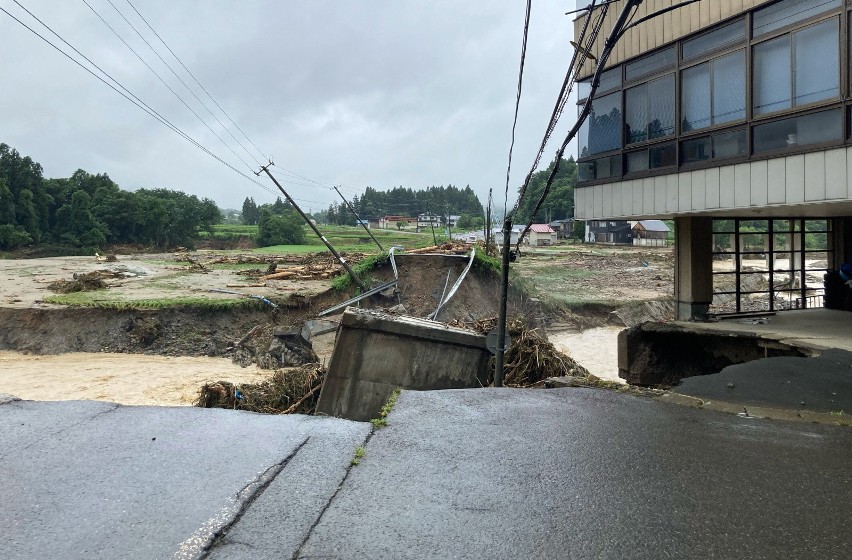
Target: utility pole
{"x": 358, "y": 218}
{"x": 617, "y": 31}
{"x": 308, "y": 221}
{"x": 488, "y": 221}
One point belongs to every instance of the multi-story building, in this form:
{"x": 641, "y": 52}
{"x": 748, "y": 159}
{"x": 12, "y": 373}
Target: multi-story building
{"x": 734, "y": 119}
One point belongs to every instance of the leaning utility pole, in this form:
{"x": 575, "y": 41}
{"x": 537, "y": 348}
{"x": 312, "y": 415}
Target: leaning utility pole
{"x": 308, "y": 221}
{"x": 487, "y": 231}
{"x": 358, "y": 218}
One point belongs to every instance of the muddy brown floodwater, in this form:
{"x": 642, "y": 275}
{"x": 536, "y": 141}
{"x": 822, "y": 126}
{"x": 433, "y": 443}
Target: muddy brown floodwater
{"x": 594, "y": 349}
{"x": 131, "y": 379}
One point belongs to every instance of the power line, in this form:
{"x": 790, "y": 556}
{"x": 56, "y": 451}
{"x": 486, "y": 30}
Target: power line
{"x": 175, "y": 74}
{"x": 128, "y": 96}
{"x": 197, "y": 82}
{"x": 518, "y": 98}
{"x": 185, "y": 104}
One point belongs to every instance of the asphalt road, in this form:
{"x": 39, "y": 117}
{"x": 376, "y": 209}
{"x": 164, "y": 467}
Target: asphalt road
{"x": 95, "y": 480}
{"x": 493, "y": 473}
{"x": 568, "y": 473}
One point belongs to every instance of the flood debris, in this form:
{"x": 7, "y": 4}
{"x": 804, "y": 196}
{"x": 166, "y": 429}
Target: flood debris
{"x": 285, "y": 392}
{"x": 531, "y": 358}
{"x": 80, "y": 283}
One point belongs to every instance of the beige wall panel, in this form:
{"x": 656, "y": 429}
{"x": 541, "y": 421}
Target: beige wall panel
{"x": 716, "y": 9}
{"x": 606, "y": 192}
{"x": 672, "y": 192}
{"x": 836, "y": 174}
{"x": 699, "y": 189}
{"x": 777, "y": 188}
{"x": 704, "y": 19}
{"x": 627, "y": 198}
{"x": 660, "y": 185}
{"x": 598, "y": 197}
{"x": 815, "y": 174}
{"x": 648, "y": 195}
{"x": 711, "y": 188}
{"x": 795, "y": 179}
{"x": 588, "y": 202}
{"x": 579, "y": 195}
{"x": 742, "y": 185}
{"x": 668, "y": 27}
{"x": 615, "y": 195}
{"x": 727, "y": 187}
{"x": 684, "y": 194}
{"x": 759, "y": 183}
{"x": 638, "y": 189}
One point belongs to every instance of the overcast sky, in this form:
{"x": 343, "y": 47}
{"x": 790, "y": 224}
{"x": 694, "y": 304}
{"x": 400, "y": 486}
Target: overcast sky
{"x": 378, "y": 93}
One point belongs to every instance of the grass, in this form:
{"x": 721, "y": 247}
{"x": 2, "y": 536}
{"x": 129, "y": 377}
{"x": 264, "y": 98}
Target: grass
{"x": 382, "y": 420}
{"x": 360, "y": 453}
{"x": 362, "y": 269}
{"x": 96, "y": 299}
{"x": 353, "y": 239}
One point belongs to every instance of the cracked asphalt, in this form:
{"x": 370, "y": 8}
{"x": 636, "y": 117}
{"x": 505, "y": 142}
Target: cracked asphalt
{"x": 494, "y": 473}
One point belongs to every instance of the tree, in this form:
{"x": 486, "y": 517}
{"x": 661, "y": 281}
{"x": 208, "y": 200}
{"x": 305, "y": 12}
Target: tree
{"x": 7, "y": 204}
{"x": 251, "y": 214}
{"x": 78, "y": 225}
{"x": 402, "y": 224}
{"x": 283, "y": 229}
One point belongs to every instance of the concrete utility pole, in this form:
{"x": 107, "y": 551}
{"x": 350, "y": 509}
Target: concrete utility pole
{"x": 358, "y": 218}
{"x": 308, "y": 221}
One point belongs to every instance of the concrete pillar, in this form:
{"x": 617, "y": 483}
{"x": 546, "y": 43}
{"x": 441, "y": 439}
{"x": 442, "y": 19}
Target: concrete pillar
{"x": 693, "y": 268}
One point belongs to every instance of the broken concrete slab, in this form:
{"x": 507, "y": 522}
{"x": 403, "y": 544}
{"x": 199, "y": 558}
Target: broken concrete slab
{"x": 376, "y": 353}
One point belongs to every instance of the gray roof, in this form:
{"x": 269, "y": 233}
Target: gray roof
{"x": 653, "y": 225}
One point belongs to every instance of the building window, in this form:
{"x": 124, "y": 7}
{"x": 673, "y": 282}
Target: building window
{"x": 788, "y": 12}
{"x": 816, "y": 128}
{"x": 651, "y": 64}
{"x": 650, "y": 110}
{"x": 601, "y": 132}
{"x": 726, "y": 35}
{"x": 602, "y": 168}
{"x": 652, "y": 158}
{"x": 610, "y": 80}
{"x": 714, "y": 92}
{"x": 780, "y": 84}
{"x": 716, "y": 146}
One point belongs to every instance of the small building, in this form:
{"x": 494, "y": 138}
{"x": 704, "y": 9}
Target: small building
{"x": 391, "y": 222}
{"x": 541, "y": 235}
{"x": 497, "y": 234}
{"x": 564, "y": 228}
{"x": 363, "y": 223}
{"x": 650, "y": 233}
{"x": 611, "y": 231}
{"x": 373, "y": 223}
{"x": 453, "y": 220}
{"x": 428, "y": 221}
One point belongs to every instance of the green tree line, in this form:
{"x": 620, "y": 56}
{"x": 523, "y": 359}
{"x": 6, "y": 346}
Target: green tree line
{"x": 277, "y": 223}
{"x": 402, "y": 201}
{"x": 91, "y": 211}
{"x": 559, "y": 204}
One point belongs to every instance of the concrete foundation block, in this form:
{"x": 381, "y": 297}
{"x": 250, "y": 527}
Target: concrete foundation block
{"x": 376, "y": 353}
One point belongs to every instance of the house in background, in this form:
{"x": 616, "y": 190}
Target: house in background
{"x": 541, "y": 235}
{"x": 650, "y": 233}
{"x": 391, "y": 222}
{"x": 564, "y": 228}
{"x": 427, "y": 221}
{"x": 609, "y": 231}
{"x": 731, "y": 118}
{"x": 497, "y": 234}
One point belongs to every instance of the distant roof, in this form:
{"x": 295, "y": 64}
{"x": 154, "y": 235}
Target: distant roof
{"x": 541, "y": 228}
{"x": 653, "y": 225}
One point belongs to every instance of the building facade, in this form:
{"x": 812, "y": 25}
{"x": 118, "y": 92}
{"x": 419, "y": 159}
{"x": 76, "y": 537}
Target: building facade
{"x": 734, "y": 119}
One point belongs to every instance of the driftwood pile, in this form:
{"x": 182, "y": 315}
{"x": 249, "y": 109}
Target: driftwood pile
{"x": 455, "y": 248}
{"x": 88, "y": 282}
{"x": 286, "y": 392}
{"x": 531, "y": 358}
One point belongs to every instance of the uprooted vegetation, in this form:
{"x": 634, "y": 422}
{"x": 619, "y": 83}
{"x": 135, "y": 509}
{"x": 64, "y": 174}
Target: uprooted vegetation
{"x": 285, "y": 392}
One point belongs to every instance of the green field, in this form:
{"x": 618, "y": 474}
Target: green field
{"x": 343, "y": 238}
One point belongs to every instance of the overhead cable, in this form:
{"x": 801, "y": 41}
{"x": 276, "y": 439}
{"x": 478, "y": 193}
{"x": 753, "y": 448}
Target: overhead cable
{"x": 518, "y": 97}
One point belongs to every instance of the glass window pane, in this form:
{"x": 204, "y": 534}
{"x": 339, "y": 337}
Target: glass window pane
{"x": 726, "y": 226}
{"x": 725, "y": 35}
{"x": 610, "y": 79}
{"x": 695, "y": 97}
{"x": 700, "y": 149}
{"x": 799, "y": 131}
{"x": 729, "y": 144}
{"x": 729, "y": 88}
{"x": 787, "y": 12}
{"x": 585, "y": 171}
{"x": 650, "y": 64}
{"x": 817, "y": 62}
{"x": 637, "y": 161}
{"x": 661, "y": 97}
{"x": 723, "y": 243}
{"x": 636, "y": 114}
{"x": 601, "y": 132}
{"x": 583, "y": 89}
{"x": 772, "y": 76}
{"x": 662, "y": 156}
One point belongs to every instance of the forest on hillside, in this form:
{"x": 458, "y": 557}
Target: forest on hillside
{"x": 559, "y": 204}
{"x": 91, "y": 211}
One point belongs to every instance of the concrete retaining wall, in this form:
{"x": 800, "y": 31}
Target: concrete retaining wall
{"x": 376, "y": 353}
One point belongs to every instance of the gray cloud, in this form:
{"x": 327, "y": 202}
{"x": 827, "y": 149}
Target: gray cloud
{"x": 375, "y": 93}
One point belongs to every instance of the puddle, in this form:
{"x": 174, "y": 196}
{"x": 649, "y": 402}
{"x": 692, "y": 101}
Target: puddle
{"x": 594, "y": 349}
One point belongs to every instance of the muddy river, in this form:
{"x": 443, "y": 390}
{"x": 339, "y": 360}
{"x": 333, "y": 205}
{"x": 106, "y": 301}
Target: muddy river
{"x": 594, "y": 349}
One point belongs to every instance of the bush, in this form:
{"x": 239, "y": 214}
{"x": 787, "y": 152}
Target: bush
{"x": 284, "y": 229}
{"x": 12, "y": 237}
